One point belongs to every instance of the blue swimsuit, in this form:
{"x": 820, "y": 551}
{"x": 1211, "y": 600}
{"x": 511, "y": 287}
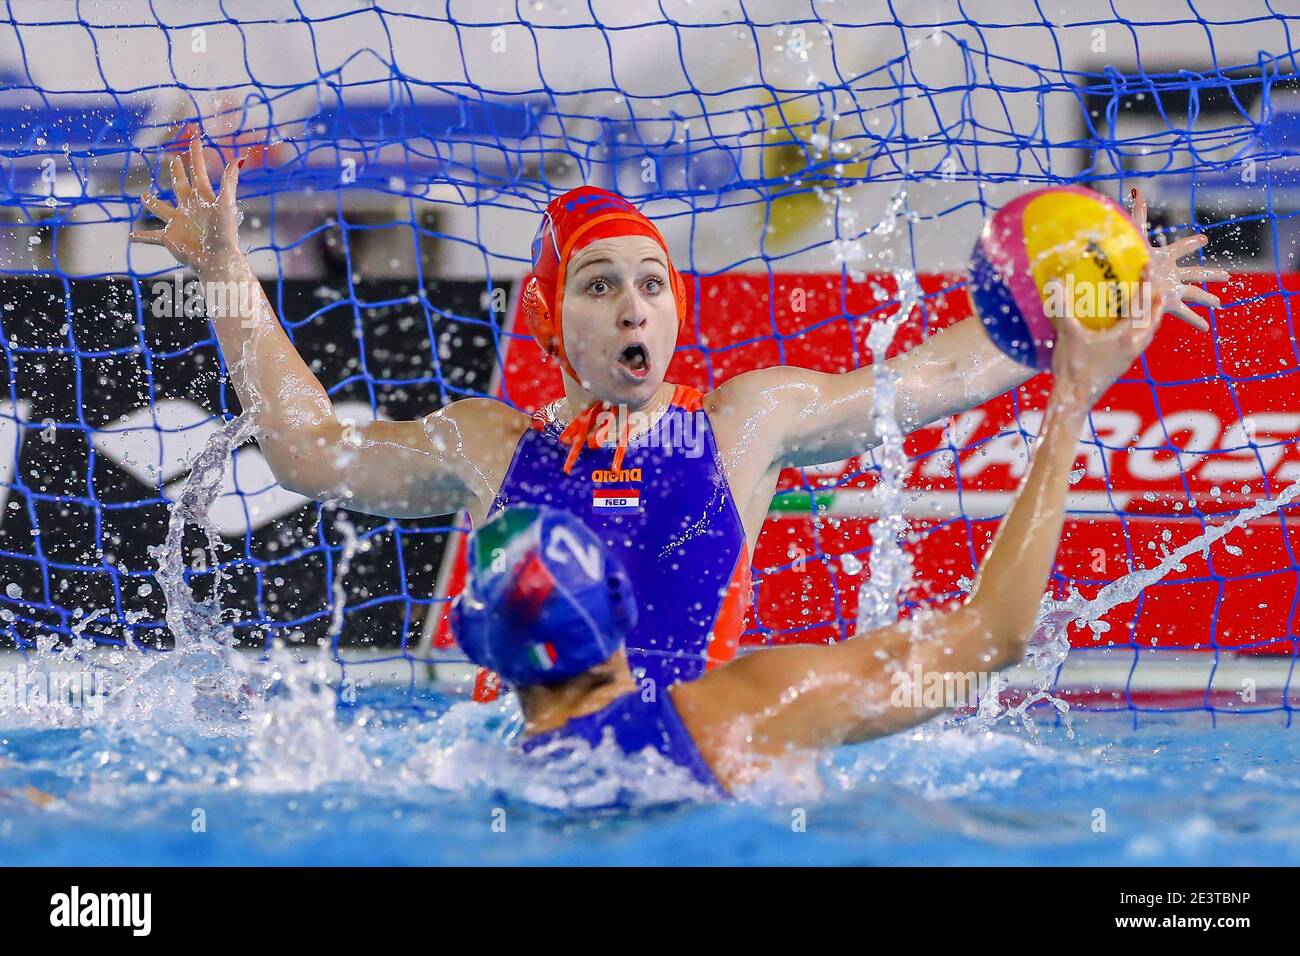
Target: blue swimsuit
{"x": 637, "y": 725}
{"x": 668, "y": 514}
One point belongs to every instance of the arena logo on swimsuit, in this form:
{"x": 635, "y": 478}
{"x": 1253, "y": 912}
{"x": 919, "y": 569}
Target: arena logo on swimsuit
{"x": 621, "y": 475}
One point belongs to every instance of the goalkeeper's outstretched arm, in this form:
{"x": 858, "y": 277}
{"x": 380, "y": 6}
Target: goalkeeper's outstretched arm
{"x": 439, "y": 464}
{"x": 810, "y": 418}
{"x": 761, "y": 707}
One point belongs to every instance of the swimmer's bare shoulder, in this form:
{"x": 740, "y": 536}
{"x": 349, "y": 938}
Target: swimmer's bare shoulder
{"x": 489, "y": 431}
{"x": 785, "y": 416}
{"x": 760, "y": 421}
{"x": 789, "y": 416}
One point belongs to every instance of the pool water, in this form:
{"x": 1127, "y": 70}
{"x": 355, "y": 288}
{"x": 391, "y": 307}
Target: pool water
{"x": 302, "y": 781}
{"x": 202, "y": 755}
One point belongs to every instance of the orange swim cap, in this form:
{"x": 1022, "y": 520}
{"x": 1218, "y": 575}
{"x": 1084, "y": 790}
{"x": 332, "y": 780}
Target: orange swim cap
{"x": 571, "y": 221}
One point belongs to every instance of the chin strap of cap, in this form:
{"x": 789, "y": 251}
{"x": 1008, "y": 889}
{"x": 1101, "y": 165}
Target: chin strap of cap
{"x": 589, "y": 430}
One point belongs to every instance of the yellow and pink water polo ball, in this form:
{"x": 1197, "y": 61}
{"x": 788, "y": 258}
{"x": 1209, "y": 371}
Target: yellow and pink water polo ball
{"x": 1062, "y": 252}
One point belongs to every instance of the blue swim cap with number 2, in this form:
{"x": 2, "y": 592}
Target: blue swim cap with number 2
{"x": 544, "y": 600}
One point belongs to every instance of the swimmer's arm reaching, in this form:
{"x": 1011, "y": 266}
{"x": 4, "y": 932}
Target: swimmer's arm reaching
{"x": 759, "y": 707}
{"x": 816, "y": 417}
{"x": 436, "y": 465}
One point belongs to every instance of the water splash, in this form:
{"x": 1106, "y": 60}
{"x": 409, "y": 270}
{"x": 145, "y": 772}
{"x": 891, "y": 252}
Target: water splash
{"x": 469, "y": 751}
{"x": 296, "y": 741}
{"x": 283, "y": 706}
{"x": 1050, "y": 645}
{"x": 201, "y": 683}
{"x": 890, "y": 565}
{"x": 199, "y": 686}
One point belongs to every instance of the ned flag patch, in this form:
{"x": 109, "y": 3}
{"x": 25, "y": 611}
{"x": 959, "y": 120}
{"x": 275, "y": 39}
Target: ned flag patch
{"x": 616, "y": 500}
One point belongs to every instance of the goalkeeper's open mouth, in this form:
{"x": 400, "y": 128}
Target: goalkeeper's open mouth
{"x": 634, "y": 360}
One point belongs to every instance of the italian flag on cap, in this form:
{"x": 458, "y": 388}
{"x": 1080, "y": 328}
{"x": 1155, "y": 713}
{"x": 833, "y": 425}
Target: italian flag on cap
{"x": 544, "y": 655}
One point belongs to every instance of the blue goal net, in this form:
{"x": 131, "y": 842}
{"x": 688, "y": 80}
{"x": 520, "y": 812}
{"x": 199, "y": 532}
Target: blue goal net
{"x": 812, "y": 165}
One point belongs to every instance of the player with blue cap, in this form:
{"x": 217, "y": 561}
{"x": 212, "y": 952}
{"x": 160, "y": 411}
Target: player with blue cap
{"x": 547, "y": 606}
{"x": 544, "y": 601}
